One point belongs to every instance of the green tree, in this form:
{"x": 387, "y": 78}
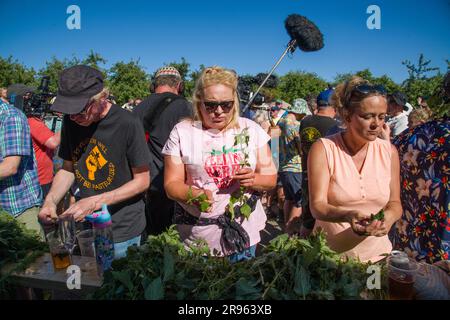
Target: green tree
{"x": 419, "y": 71}
{"x": 366, "y": 74}
{"x": 299, "y": 84}
{"x": 11, "y": 71}
{"x": 420, "y": 81}
{"x": 342, "y": 77}
{"x": 128, "y": 81}
{"x": 94, "y": 60}
{"x": 439, "y": 103}
{"x": 53, "y": 69}
{"x": 189, "y": 84}
{"x": 388, "y": 83}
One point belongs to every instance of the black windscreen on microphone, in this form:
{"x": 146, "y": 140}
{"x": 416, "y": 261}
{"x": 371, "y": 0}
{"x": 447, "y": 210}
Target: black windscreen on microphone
{"x": 305, "y": 32}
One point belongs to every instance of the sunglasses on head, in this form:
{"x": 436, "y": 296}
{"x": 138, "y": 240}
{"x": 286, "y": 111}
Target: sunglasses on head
{"x": 367, "y": 88}
{"x": 211, "y": 106}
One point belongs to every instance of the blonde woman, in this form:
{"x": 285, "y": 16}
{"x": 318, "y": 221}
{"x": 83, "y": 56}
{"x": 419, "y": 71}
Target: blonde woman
{"x": 418, "y": 116}
{"x": 205, "y": 155}
{"x": 354, "y": 174}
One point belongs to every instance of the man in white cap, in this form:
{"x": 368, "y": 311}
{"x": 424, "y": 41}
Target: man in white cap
{"x": 159, "y": 113}
{"x": 398, "y": 111}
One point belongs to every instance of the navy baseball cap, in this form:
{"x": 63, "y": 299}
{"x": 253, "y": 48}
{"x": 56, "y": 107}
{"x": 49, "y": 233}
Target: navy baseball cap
{"x": 324, "y": 98}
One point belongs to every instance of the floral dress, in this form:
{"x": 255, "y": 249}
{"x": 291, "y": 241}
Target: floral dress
{"x": 424, "y": 229}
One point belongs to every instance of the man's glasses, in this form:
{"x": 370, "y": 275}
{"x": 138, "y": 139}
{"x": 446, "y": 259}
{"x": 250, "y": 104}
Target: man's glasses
{"x": 366, "y": 89}
{"x": 83, "y": 113}
{"x": 211, "y": 106}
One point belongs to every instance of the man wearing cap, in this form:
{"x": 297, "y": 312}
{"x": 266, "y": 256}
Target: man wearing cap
{"x": 312, "y": 128}
{"x": 159, "y": 113}
{"x": 398, "y": 115}
{"x": 20, "y": 193}
{"x": 290, "y": 167}
{"x": 104, "y": 152}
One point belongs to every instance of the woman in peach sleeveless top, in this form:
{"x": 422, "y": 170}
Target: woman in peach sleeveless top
{"x": 354, "y": 174}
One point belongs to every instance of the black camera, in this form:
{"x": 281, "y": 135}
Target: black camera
{"x": 245, "y": 88}
{"x": 245, "y": 91}
{"x": 33, "y": 102}
{"x": 258, "y": 99}
{"x": 37, "y": 104}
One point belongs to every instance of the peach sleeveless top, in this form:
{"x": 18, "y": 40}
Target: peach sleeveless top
{"x": 367, "y": 191}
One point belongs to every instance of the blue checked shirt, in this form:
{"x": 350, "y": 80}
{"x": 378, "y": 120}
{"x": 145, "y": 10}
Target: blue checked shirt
{"x": 22, "y": 190}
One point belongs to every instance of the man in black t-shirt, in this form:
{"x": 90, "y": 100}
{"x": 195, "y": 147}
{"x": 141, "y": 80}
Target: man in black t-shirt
{"x": 104, "y": 152}
{"x": 312, "y": 128}
{"x": 159, "y": 113}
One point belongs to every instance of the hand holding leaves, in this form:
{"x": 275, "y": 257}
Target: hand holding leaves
{"x": 365, "y": 225}
{"x": 378, "y": 216}
{"x": 202, "y": 199}
{"x": 245, "y": 176}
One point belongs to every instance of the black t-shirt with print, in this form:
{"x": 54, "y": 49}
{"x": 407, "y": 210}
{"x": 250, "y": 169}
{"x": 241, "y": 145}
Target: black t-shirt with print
{"x": 178, "y": 109}
{"x": 103, "y": 155}
{"x": 312, "y": 128}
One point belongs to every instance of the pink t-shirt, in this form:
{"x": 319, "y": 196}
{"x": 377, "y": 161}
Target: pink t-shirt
{"x": 368, "y": 191}
{"x": 210, "y": 159}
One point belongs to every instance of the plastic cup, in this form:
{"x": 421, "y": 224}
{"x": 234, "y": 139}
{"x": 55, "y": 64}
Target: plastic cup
{"x": 402, "y": 272}
{"x": 86, "y": 243}
{"x": 61, "y": 256}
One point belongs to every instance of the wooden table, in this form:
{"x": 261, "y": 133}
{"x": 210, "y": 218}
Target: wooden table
{"x": 41, "y": 274}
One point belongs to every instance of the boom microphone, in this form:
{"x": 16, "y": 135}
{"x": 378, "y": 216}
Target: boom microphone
{"x": 305, "y": 33}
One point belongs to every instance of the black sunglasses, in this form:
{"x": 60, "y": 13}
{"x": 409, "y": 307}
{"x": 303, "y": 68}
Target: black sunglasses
{"x": 211, "y": 106}
{"x": 366, "y": 89}
{"x": 83, "y": 112}
{"x": 276, "y": 108}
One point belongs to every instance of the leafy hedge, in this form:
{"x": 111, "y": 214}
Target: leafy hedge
{"x": 17, "y": 245}
{"x": 289, "y": 268}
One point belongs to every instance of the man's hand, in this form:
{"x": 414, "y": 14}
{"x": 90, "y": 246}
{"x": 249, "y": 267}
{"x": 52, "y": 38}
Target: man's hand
{"x": 293, "y": 226}
{"x": 48, "y": 213}
{"x": 81, "y": 208}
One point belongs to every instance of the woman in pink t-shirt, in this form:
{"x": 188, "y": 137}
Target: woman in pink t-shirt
{"x": 354, "y": 174}
{"x": 215, "y": 154}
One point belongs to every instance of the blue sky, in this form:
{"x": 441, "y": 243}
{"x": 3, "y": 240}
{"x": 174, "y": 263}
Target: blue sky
{"x": 247, "y": 35}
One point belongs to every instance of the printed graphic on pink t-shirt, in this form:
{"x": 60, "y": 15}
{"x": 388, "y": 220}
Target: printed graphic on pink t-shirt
{"x": 222, "y": 164}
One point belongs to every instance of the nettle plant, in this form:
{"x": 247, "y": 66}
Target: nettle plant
{"x": 200, "y": 201}
{"x": 238, "y": 200}
{"x": 238, "y": 203}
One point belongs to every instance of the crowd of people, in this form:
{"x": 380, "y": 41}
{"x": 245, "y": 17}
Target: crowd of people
{"x": 332, "y": 160}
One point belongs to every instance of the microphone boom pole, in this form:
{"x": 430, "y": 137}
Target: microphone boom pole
{"x": 290, "y": 48}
